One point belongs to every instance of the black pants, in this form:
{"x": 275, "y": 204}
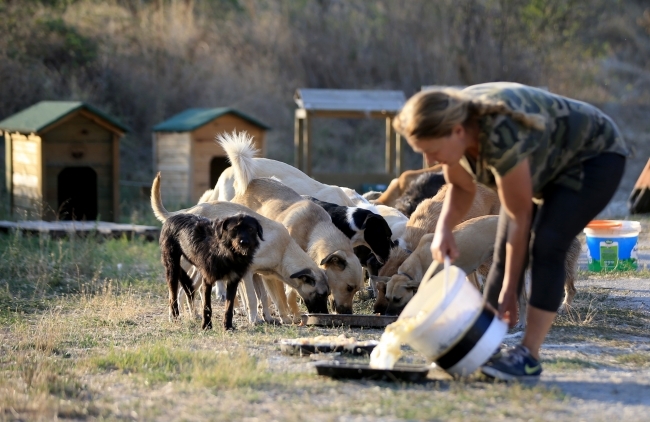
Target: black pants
{"x": 562, "y": 216}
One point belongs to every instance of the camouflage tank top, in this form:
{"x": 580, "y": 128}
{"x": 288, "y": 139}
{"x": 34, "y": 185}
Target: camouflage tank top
{"x": 575, "y": 132}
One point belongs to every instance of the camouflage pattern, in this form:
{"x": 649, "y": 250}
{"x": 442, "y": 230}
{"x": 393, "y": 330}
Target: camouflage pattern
{"x": 575, "y": 131}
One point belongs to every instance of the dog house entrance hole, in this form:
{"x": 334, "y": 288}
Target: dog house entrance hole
{"x": 77, "y": 193}
{"x": 217, "y": 166}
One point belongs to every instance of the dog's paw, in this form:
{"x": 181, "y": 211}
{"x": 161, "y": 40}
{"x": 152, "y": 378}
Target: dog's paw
{"x": 564, "y": 308}
{"x": 273, "y": 321}
{"x": 286, "y": 320}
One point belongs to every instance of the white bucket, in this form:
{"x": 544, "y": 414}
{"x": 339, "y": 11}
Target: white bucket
{"x": 459, "y": 332}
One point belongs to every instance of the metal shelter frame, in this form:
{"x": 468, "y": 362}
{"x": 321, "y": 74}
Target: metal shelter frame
{"x": 345, "y": 104}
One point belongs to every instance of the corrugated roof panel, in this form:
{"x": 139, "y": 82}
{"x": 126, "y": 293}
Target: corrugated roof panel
{"x": 350, "y": 100}
{"x": 193, "y": 118}
{"x": 44, "y": 113}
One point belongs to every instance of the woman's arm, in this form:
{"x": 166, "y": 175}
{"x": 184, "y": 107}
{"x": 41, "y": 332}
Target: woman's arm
{"x": 457, "y": 202}
{"x": 516, "y": 194}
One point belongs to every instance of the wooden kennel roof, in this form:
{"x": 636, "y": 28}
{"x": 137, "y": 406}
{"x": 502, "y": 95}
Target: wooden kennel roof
{"x": 46, "y": 114}
{"x": 193, "y": 118}
{"x": 346, "y": 104}
{"x": 350, "y": 100}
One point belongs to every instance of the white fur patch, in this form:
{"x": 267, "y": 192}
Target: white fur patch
{"x": 348, "y": 216}
{"x": 370, "y": 207}
{"x": 402, "y": 243}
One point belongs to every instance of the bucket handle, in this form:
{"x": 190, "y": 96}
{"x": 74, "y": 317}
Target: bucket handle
{"x": 433, "y": 267}
{"x": 447, "y": 264}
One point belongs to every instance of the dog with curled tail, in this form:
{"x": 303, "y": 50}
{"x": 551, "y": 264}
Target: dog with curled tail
{"x": 219, "y": 249}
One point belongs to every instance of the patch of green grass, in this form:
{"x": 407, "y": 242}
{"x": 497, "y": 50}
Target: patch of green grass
{"x": 611, "y": 275}
{"x": 636, "y": 359}
{"x": 567, "y": 364}
{"x": 212, "y": 369}
{"x": 35, "y": 269}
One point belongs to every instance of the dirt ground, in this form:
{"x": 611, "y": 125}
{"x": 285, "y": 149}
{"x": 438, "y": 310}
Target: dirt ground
{"x": 113, "y": 355}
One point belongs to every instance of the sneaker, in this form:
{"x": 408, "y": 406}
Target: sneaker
{"x": 498, "y": 351}
{"x": 514, "y": 364}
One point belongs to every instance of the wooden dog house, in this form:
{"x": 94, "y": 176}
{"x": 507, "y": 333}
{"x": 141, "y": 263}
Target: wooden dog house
{"x": 346, "y": 104}
{"x": 186, "y": 154}
{"x": 62, "y": 161}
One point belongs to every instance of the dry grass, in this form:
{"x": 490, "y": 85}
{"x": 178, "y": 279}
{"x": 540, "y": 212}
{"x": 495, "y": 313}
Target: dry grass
{"x": 102, "y": 348}
{"x": 635, "y": 359}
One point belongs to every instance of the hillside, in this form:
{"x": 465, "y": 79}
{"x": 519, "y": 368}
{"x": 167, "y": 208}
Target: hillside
{"x": 144, "y": 61}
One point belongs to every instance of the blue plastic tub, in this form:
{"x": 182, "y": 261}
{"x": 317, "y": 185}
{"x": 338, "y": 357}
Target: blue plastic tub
{"x": 614, "y": 248}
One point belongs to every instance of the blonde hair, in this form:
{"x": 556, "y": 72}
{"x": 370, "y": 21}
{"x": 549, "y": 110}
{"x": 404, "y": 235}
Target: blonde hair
{"x": 433, "y": 113}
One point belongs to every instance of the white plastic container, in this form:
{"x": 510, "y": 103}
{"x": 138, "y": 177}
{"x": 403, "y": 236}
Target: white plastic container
{"x": 459, "y": 332}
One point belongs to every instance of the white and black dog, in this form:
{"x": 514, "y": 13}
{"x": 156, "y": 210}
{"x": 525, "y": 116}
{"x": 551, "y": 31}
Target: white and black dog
{"x": 361, "y": 226}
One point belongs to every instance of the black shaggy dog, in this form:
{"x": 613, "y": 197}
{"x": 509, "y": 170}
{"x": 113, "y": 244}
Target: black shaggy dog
{"x": 219, "y": 249}
{"x": 425, "y": 186}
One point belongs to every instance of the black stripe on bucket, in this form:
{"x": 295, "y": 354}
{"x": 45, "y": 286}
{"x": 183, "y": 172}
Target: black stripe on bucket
{"x": 468, "y": 341}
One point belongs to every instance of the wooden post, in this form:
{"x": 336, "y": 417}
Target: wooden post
{"x": 390, "y": 155}
{"x": 116, "y": 178}
{"x": 399, "y": 151}
{"x": 307, "y": 143}
{"x": 9, "y": 170}
{"x": 190, "y": 172}
{"x": 40, "y": 165}
{"x": 297, "y": 139}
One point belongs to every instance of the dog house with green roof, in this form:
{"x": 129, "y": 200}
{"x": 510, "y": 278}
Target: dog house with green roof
{"x": 186, "y": 154}
{"x": 62, "y": 162}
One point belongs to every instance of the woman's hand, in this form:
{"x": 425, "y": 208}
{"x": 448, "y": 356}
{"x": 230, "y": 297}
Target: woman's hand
{"x": 508, "y": 307}
{"x": 443, "y": 245}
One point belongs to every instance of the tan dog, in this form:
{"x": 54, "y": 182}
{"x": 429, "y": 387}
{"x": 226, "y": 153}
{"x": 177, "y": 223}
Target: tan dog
{"x": 425, "y": 217}
{"x": 397, "y": 186}
{"x": 290, "y": 176}
{"x": 278, "y": 256}
{"x": 475, "y": 242}
{"x": 225, "y": 188}
{"x": 308, "y": 223}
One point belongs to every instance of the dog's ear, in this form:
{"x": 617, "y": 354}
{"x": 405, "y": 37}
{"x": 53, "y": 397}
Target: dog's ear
{"x": 306, "y": 275}
{"x": 381, "y": 285}
{"x": 260, "y": 230}
{"x": 217, "y": 226}
{"x": 337, "y": 259}
{"x": 376, "y": 223}
{"x": 412, "y": 286}
{"x": 370, "y": 217}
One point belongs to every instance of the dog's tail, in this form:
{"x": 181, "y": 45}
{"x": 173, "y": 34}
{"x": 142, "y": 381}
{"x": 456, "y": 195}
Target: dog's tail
{"x": 241, "y": 152}
{"x": 156, "y": 201}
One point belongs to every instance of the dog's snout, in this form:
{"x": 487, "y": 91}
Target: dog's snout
{"x": 394, "y": 310}
{"x": 317, "y": 305}
{"x": 342, "y": 309}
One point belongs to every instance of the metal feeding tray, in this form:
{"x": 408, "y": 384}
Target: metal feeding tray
{"x": 399, "y": 373}
{"x": 351, "y": 320}
{"x": 298, "y": 347}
